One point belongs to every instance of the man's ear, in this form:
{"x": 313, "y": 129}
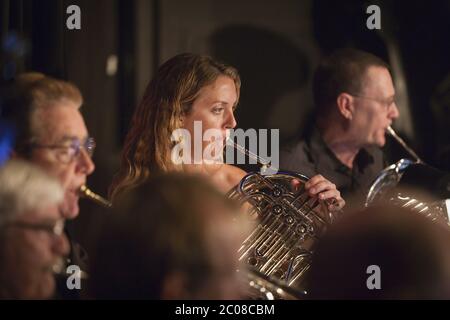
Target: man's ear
{"x": 346, "y": 106}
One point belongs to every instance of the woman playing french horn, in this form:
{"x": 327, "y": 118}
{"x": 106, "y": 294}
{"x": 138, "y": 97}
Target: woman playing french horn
{"x": 186, "y": 89}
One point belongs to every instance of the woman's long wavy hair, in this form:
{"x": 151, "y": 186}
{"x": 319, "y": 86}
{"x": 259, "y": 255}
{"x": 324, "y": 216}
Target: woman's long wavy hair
{"x": 167, "y": 98}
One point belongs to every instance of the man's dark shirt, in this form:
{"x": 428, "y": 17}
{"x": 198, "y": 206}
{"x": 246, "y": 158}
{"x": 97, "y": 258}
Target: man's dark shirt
{"x": 311, "y": 156}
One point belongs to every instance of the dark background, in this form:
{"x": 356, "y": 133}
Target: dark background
{"x": 274, "y": 44}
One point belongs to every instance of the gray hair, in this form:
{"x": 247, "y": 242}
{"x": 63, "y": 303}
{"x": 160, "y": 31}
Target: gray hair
{"x": 24, "y": 187}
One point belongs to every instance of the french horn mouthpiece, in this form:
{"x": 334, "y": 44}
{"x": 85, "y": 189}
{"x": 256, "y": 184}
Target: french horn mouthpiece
{"x": 394, "y": 135}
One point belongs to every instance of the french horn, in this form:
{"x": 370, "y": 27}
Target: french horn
{"x": 411, "y": 184}
{"x": 287, "y": 224}
{"x": 263, "y": 287}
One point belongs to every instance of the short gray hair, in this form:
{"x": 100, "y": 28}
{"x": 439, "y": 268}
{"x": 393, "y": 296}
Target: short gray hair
{"x": 24, "y": 187}
{"x": 29, "y": 94}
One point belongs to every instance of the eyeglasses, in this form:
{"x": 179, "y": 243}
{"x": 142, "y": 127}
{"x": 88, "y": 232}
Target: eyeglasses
{"x": 68, "y": 153}
{"x": 386, "y": 102}
{"x": 55, "y": 229}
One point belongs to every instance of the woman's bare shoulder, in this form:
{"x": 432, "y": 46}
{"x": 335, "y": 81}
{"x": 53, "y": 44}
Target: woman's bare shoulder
{"x": 228, "y": 177}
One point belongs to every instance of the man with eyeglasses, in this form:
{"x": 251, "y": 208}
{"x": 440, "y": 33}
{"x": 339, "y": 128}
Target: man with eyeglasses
{"x": 32, "y": 241}
{"x": 354, "y": 104}
{"x": 51, "y": 133}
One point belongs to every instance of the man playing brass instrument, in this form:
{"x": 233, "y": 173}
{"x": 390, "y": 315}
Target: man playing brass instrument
{"x": 355, "y": 103}
{"x": 51, "y": 133}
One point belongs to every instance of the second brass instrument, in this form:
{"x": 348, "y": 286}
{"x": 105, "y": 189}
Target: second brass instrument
{"x": 403, "y": 184}
{"x": 89, "y": 194}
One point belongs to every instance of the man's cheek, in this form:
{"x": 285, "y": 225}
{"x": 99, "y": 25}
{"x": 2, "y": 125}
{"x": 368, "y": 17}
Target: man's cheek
{"x": 65, "y": 178}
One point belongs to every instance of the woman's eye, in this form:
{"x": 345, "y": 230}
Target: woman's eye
{"x": 217, "y": 110}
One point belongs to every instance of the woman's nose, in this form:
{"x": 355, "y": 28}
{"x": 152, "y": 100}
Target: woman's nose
{"x": 230, "y": 123}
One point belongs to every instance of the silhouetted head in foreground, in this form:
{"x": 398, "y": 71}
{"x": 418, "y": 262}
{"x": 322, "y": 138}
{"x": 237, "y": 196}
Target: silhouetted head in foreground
{"x": 173, "y": 237}
{"x": 382, "y": 253}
